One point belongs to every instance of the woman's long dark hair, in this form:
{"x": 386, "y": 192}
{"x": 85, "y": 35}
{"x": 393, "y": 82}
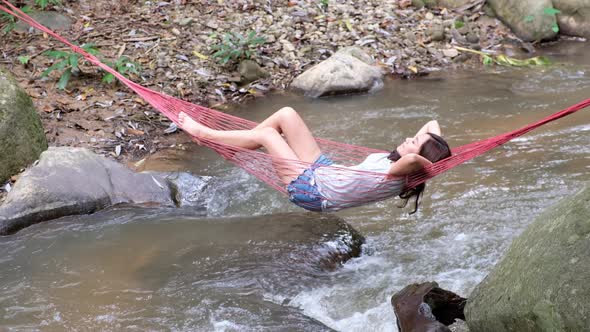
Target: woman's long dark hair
{"x": 433, "y": 149}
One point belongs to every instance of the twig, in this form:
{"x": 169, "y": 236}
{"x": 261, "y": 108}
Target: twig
{"x": 139, "y": 39}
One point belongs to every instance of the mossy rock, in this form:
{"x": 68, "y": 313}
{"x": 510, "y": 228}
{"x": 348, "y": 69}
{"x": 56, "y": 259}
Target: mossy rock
{"x": 541, "y": 284}
{"x": 22, "y": 138}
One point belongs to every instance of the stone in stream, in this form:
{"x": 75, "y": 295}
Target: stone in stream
{"x": 70, "y": 181}
{"x": 22, "y": 138}
{"x": 426, "y": 308}
{"x": 350, "y": 70}
{"x": 574, "y": 19}
{"x": 541, "y": 284}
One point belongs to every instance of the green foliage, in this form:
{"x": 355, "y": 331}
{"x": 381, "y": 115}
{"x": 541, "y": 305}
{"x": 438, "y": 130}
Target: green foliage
{"x": 123, "y": 65}
{"x": 459, "y": 24}
{"x": 504, "y": 60}
{"x": 9, "y": 21}
{"x": 234, "y": 46}
{"x": 68, "y": 62}
{"x": 23, "y": 59}
{"x": 44, "y": 3}
{"x": 323, "y": 4}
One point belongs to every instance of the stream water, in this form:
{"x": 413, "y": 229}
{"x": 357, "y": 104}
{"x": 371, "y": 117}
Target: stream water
{"x": 138, "y": 269}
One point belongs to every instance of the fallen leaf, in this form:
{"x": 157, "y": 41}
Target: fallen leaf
{"x": 200, "y": 56}
{"x": 118, "y": 150}
{"x": 135, "y": 132}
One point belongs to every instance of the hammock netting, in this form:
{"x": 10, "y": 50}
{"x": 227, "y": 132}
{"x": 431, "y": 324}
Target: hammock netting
{"x": 265, "y": 166}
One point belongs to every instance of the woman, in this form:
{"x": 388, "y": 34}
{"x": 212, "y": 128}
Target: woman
{"x": 286, "y": 137}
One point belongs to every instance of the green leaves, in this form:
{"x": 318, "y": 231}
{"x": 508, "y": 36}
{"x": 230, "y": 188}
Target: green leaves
{"x": 69, "y": 62}
{"x": 235, "y": 46}
{"x": 44, "y": 3}
{"x": 504, "y": 60}
{"x": 123, "y": 65}
{"x": 551, "y": 11}
{"x": 23, "y": 59}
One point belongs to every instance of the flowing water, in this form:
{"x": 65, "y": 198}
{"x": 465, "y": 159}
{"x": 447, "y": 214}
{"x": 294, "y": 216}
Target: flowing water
{"x": 138, "y": 268}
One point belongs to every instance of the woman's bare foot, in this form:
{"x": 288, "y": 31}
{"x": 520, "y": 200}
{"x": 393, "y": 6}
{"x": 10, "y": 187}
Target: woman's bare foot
{"x": 191, "y": 126}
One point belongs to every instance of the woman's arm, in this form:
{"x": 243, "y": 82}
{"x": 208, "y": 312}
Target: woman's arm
{"x": 430, "y": 127}
{"x": 408, "y": 164}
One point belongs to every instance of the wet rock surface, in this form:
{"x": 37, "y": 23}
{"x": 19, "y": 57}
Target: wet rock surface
{"x": 21, "y": 134}
{"x": 541, "y": 284}
{"x": 426, "y": 308}
{"x": 71, "y": 181}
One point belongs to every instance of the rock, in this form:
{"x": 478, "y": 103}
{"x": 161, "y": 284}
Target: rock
{"x": 452, "y": 3}
{"x": 472, "y": 38}
{"x": 574, "y": 18}
{"x": 350, "y": 70}
{"x": 70, "y": 181}
{"x": 22, "y": 138}
{"x": 527, "y": 18}
{"x": 541, "y": 284}
{"x": 186, "y": 21}
{"x": 450, "y": 52}
{"x": 250, "y": 71}
{"x": 437, "y": 32}
{"x": 426, "y": 307}
{"x": 52, "y": 20}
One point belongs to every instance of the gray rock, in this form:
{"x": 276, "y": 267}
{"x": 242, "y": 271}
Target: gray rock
{"x": 70, "y": 181}
{"x": 350, "y": 70}
{"x": 574, "y": 18}
{"x": 453, "y": 3}
{"x": 22, "y": 138}
{"x": 542, "y": 282}
{"x": 250, "y": 71}
{"x": 52, "y": 20}
{"x": 527, "y": 18}
{"x": 437, "y": 32}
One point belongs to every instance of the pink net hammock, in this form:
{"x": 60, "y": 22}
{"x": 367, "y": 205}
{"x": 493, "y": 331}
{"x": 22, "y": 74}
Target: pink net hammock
{"x": 265, "y": 166}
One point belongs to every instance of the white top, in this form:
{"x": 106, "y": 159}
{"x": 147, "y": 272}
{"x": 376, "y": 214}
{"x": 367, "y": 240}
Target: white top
{"x": 366, "y": 182}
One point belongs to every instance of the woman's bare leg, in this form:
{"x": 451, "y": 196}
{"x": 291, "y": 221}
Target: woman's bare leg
{"x": 267, "y": 137}
{"x": 287, "y": 121}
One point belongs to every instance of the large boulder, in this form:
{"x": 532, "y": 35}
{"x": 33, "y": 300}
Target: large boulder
{"x": 350, "y": 70}
{"x": 70, "y": 181}
{"x": 574, "y": 18}
{"x": 527, "y": 18}
{"x": 542, "y": 282}
{"x": 22, "y": 138}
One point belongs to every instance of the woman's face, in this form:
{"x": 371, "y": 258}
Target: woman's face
{"x": 412, "y": 144}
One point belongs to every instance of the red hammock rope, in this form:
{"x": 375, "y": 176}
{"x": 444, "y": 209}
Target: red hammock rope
{"x": 264, "y": 166}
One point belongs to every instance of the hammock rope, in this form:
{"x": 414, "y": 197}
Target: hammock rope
{"x": 265, "y": 166}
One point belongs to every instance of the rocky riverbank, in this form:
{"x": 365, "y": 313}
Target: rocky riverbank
{"x": 175, "y": 43}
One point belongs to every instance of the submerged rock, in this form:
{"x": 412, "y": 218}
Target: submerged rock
{"x": 527, "y": 18}
{"x": 21, "y": 134}
{"x": 541, "y": 284}
{"x": 574, "y": 19}
{"x": 70, "y": 181}
{"x": 350, "y": 70}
